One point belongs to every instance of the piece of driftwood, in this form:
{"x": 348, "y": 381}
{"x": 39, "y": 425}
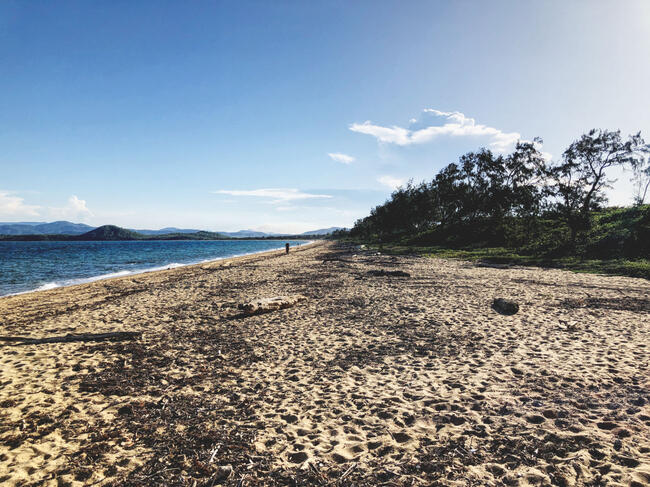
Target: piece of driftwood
{"x": 382, "y": 272}
{"x": 338, "y": 259}
{"x": 492, "y": 265}
{"x": 83, "y": 337}
{"x": 267, "y": 305}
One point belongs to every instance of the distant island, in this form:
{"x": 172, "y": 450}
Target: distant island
{"x": 68, "y": 231}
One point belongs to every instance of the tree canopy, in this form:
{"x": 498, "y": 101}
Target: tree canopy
{"x": 516, "y": 200}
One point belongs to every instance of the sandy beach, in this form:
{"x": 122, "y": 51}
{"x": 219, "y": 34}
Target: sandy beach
{"x": 376, "y": 378}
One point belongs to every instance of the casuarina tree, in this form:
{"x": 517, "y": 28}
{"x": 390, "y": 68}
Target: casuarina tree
{"x": 578, "y": 180}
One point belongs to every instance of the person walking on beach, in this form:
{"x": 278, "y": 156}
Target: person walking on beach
{"x": 286, "y": 247}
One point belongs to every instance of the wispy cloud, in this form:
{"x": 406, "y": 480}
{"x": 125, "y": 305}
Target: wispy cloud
{"x": 14, "y": 206}
{"x": 390, "y": 181}
{"x": 435, "y": 123}
{"x": 281, "y": 195}
{"x": 342, "y": 158}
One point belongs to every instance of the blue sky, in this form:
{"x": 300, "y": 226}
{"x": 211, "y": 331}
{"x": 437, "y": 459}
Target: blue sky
{"x": 292, "y": 115}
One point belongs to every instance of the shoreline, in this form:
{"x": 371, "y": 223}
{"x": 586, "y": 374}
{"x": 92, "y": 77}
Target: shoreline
{"x": 125, "y": 273}
{"x": 375, "y": 377}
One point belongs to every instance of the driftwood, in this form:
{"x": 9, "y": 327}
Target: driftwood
{"x": 492, "y": 265}
{"x": 83, "y": 337}
{"x": 382, "y": 272}
{"x": 338, "y": 259}
{"x": 267, "y": 305}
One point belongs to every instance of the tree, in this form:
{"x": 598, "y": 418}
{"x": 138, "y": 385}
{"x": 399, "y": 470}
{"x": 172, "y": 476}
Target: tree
{"x": 641, "y": 179}
{"x": 579, "y": 179}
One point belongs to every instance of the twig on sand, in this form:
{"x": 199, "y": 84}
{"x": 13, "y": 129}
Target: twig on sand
{"x": 348, "y": 471}
{"x": 214, "y": 454}
{"x": 84, "y": 337}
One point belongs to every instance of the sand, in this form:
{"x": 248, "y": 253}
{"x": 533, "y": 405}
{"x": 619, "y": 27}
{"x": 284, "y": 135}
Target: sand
{"x": 374, "y": 379}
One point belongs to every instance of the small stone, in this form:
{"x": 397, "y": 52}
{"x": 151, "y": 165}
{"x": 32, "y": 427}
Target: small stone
{"x": 505, "y": 307}
{"x": 125, "y": 410}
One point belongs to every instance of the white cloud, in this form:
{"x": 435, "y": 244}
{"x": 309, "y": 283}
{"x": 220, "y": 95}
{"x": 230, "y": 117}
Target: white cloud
{"x": 342, "y": 158}
{"x": 14, "y": 206}
{"x": 277, "y": 194}
{"x": 435, "y": 123}
{"x": 76, "y": 209}
{"x": 391, "y": 182}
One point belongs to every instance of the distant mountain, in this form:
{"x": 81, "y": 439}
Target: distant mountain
{"x": 63, "y": 227}
{"x": 41, "y": 228}
{"x": 17, "y": 229}
{"x": 322, "y": 231}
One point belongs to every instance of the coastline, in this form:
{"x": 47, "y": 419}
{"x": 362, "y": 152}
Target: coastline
{"x": 126, "y": 273}
{"x": 406, "y": 379}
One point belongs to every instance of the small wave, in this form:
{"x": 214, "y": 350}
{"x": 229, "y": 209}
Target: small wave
{"x": 45, "y": 287}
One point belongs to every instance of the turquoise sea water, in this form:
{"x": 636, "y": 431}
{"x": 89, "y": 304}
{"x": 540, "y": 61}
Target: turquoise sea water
{"x": 33, "y": 266}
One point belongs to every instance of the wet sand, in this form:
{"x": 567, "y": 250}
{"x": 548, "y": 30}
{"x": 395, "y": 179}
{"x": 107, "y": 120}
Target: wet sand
{"x": 374, "y": 379}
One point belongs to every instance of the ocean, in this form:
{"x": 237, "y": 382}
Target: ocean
{"x": 36, "y": 266}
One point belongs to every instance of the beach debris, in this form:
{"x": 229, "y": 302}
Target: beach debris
{"x": 337, "y": 259}
{"x": 223, "y": 473}
{"x": 83, "y": 337}
{"x": 505, "y": 307}
{"x": 492, "y": 265}
{"x": 266, "y": 305}
{"x": 382, "y": 272}
{"x": 570, "y": 326}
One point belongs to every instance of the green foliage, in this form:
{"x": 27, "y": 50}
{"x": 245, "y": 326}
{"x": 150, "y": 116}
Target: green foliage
{"x": 577, "y": 182}
{"x": 519, "y": 201}
{"x": 523, "y": 208}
